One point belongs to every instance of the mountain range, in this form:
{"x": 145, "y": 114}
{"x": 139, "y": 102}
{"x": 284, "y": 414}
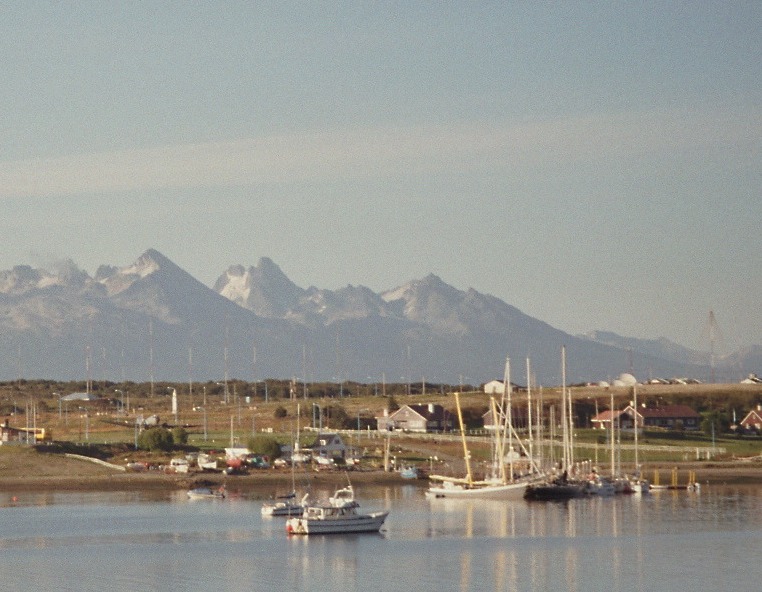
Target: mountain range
{"x": 153, "y": 320}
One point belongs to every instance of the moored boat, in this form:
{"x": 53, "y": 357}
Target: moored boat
{"x": 285, "y": 506}
{"x": 207, "y": 493}
{"x": 504, "y": 482}
{"x": 559, "y": 489}
{"x": 339, "y": 515}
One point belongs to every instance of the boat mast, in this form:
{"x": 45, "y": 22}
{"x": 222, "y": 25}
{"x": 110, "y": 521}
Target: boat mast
{"x": 570, "y": 416}
{"x": 497, "y": 445}
{"x": 469, "y": 478}
{"x": 635, "y": 424}
{"x": 529, "y": 411}
{"x": 564, "y": 419}
{"x": 508, "y": 416}
{"x": 611, "y": 438}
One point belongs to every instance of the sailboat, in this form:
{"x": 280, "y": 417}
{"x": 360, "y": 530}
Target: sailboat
{"x": 562, "y": 487}
{"x": 503, "y": 484}
{"x": 287, "y": 505}
{"x": 637, "y": 483}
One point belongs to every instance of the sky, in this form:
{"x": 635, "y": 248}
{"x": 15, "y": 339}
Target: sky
{"x": 595, "y": 164}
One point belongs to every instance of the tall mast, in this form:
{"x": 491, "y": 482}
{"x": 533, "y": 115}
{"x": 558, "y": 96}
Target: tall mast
{"x": 529, "y": 411}
{"x": 469, "y": 478}
{"x": 611, "y": 438}
{"x": 635, "y": 423}
{"x": 570, "y": 416}
{"x": 564, "y": 418}
{"x": 508, "y": 414}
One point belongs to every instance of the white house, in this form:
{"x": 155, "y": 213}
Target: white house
{"x": 494, "y": 387}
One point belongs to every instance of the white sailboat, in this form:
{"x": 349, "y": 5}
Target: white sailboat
{"x": 287, "y": 505}
{"x": 503, "y": 484}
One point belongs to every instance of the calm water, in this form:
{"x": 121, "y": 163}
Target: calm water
{"x": 131, "y": 541}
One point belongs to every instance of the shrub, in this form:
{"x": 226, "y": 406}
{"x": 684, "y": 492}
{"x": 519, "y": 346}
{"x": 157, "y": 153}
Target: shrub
{"x": 156, "y": 439}
{"x": 179, "y": 436}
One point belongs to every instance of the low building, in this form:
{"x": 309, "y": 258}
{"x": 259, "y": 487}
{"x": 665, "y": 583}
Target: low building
{"x": 12, "y": 435}
{"x": 417, "y": 418}
{"x": 329, "y": 446}
{"x": 668, "y": 417}
{"x": 497, "y": 387}
{"x": 604, "y": 419}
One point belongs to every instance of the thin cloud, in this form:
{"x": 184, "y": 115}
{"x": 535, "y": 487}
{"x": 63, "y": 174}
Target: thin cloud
{"x": 383, "y": 151}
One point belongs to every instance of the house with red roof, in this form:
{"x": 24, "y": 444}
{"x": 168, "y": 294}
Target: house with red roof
{"x": 667, "y": 417}
{"x": 753, "y": 420}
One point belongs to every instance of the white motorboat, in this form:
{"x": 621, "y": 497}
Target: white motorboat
{"x": 206, "y": 493}
{"x": 338, "y": 515}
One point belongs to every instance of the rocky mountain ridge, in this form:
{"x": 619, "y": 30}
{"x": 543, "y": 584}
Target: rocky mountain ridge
{"x": 151, "y": 319}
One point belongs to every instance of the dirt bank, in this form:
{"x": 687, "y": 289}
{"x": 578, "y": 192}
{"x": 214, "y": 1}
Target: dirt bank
{"x": 26, "y": 469}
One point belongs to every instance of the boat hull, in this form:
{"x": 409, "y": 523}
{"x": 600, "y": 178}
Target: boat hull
{"x": 204, "y": 493}
{"x": 282, "y": 510}
{"x": 350, "y": 524}
{"x": 554, "y": 491}
{"x": 453, "y": 491}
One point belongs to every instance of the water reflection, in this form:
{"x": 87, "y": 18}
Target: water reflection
{"x": 666, "y": 541}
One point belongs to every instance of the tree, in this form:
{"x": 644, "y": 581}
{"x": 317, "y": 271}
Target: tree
{"x": 180, "y": 435}
{"x": 156, "y": 439}
{"x": 715, "y": 422}
{"x": 264, "y": 446}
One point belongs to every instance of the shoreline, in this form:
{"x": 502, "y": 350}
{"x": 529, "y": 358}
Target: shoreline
{"x": 157, "y": 481}
{"x": 266, "y": 480}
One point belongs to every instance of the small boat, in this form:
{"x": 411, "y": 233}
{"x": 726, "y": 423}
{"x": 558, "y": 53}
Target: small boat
{"x": 206, "y": 462}
{"x": 597, "y": 485}
{"x": 207, "y": 493}
{"x": 338, "y": 515}
{"x": 285, "y": 505}
{"x": 179, "y": 465}
{"x": 409, "y": 473}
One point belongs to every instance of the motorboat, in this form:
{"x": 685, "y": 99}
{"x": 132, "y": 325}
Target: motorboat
{"x": 409, "y": 472}
{"x": 339, "y": 515}
{"x": 207, "y": 493}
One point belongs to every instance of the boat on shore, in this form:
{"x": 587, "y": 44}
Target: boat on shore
{"x": 338, "y": 515}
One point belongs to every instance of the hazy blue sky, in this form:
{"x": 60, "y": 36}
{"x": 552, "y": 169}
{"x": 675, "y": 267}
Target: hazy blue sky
{"x": 596, "y": 165}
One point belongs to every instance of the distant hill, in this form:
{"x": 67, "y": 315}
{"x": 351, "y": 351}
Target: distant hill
{"x": 152, "y": 319}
